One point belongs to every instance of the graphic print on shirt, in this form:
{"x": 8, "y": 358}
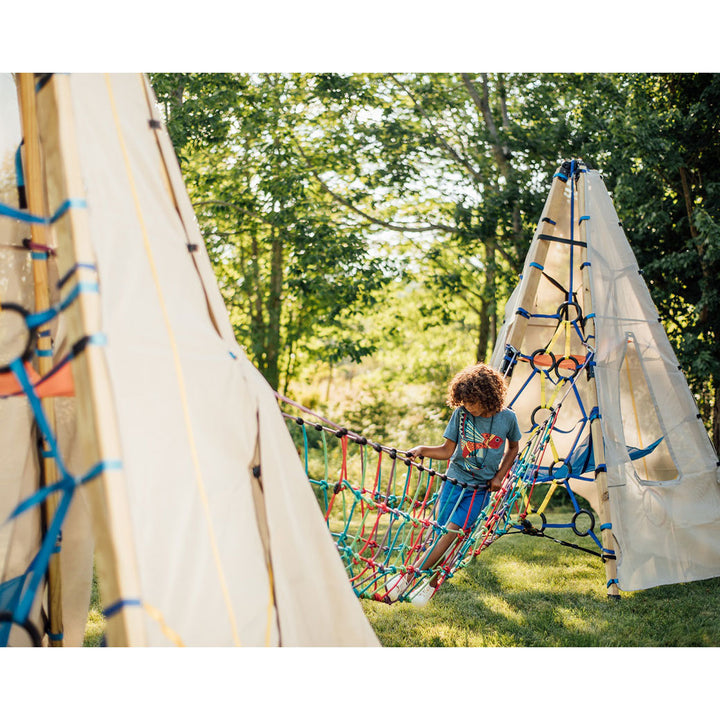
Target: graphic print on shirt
{"x": 472, "y": 442}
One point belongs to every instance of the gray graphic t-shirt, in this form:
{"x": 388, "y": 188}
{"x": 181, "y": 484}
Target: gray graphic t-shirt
{"x": 480, "y": 444}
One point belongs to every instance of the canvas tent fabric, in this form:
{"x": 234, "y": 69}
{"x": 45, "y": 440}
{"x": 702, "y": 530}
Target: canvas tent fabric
{"x": 582, "y": 295}
{"x": 210, "y": 533}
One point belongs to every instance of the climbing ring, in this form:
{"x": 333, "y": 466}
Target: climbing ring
{"x": 542, "y": 351}
{"x": 573, "y": 371}
{"x": 556, "y": 470}
{"x": 30, "y": 629}
{"x": 591, "y": 520}
{"x": 28, "y": 351}
{"x": 533, "y": 419}
{"x": 563, "y": 311}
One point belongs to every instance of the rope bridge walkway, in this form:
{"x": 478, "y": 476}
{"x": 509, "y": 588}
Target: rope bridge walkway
{"x": 381, "y": 506}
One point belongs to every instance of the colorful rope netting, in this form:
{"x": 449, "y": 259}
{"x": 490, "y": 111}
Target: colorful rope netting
{"x": 381, "y": 507}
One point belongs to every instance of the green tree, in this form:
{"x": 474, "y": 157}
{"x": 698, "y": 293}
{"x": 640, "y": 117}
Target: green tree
{"x": 658, "y": 138}
{"x": 458, "y": 164}
{"x": 289, "y": 268}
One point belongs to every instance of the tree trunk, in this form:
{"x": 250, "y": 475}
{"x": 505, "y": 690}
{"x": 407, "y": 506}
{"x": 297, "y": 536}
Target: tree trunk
{"x": 716, "y": 417}
{"x": 272, "y": 347}
{"x": 483, "y": 334}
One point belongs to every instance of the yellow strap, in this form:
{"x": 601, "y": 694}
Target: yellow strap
{"x": 554, "y": 337}
{"x": 568, "y": 330}
{"x": 551, "y": 442}
{"x": 546, "y": 500}
{"x": 271, "y": 606}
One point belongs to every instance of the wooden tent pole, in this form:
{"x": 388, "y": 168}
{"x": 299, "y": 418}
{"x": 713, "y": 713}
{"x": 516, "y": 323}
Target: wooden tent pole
{"x": 555, "y": 204}
{"x": 595, "y": 425}
{"x": 37, "y": 205}
{"x": 98, "y": 434}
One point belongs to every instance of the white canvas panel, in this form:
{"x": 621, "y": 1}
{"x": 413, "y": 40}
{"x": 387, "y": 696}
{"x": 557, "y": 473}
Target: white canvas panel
{"x": 187, "y": 405}
{"x": 666, "y": 528}
{"x": 664, "y": 507}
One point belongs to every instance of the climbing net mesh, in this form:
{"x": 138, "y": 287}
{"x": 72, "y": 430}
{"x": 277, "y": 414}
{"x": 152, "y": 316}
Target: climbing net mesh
{"x": 382, "y": 507}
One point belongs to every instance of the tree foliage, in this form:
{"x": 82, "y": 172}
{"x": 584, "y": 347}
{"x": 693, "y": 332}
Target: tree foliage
{"x": 314, "y": 190}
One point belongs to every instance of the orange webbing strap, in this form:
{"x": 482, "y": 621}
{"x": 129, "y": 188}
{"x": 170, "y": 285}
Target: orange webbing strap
{"x": 57, "y": 384}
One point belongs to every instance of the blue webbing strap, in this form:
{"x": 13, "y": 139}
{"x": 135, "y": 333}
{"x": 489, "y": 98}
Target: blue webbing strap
{"x": 45, "y": 316}
{"x": 36, "y": 405}
{"x": 66, "y": 485}
{"x": 116, "y": 607}
{"x": 15, "y": 214}
{"x": 73, "y": 270}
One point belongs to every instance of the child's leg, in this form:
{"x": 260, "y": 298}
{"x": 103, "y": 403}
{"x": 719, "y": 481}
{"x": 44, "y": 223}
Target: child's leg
{"x": 462, "y": 507}
{"x": 438, "y": 550}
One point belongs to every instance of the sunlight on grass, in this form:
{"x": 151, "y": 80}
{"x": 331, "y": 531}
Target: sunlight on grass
{"x": 500, "y": 606}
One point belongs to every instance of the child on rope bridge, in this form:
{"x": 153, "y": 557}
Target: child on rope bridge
{"x": 474, "y": 443}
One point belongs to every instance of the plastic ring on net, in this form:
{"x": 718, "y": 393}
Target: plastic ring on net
{"x": 28, "y": 351}
{"x": 542, "y": 351}
{"x": 563, "y": 311}
{"x": 558, "y": 365}
{"x": 574, "y": 523}
{"x": 30, "y": 629}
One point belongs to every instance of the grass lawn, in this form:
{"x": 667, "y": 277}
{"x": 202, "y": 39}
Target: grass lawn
{"x": 531, "y": 592}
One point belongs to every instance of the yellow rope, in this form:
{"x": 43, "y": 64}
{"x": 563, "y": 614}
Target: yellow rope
{"x": 169, "y": 633}
{"x": 178, "y": 370}
{"x": 271, "y": 605}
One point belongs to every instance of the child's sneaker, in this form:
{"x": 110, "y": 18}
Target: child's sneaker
{"x": 395, "y": 586}
{"x": 422, "y": 595}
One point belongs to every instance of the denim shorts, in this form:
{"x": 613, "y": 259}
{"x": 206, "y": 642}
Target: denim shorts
{"x": 460, "y": 505}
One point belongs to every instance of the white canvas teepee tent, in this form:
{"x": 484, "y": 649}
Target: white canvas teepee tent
{"x": 581, "y": 331}
{"x": 159, "y": 434}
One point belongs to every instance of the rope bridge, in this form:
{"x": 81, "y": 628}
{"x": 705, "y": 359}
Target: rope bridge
{"x": 381, "y": 507}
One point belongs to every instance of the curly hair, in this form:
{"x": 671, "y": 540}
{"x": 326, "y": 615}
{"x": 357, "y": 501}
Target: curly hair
{"x": 478, "y": 384}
